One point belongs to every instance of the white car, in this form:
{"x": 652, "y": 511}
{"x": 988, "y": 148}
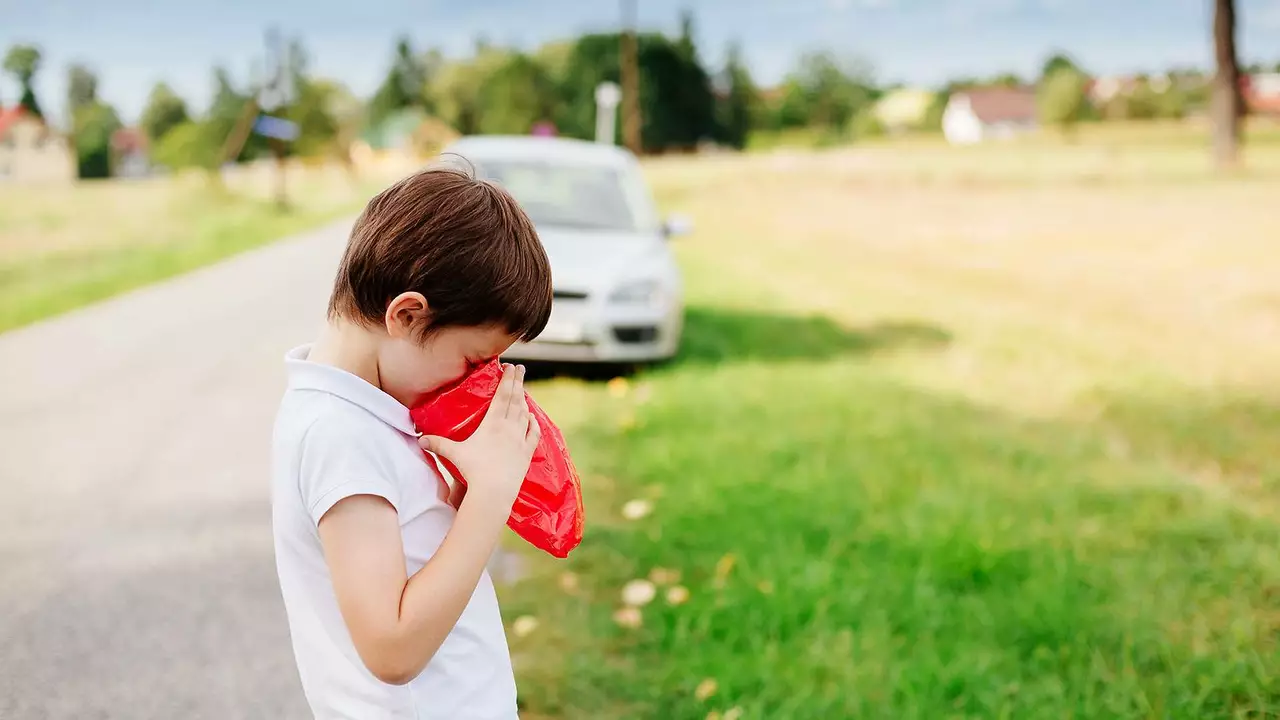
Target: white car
{"x": 618, "y": 296}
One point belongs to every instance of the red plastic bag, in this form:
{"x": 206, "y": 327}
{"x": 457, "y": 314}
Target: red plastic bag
{"x": 548, "y": 509}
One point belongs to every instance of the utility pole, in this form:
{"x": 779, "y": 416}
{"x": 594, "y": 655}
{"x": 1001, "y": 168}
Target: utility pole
{"x": 276, "y": 93}
{"x": 630, "y": 75}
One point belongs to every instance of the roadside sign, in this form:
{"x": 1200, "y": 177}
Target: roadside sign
{"x": 274, "y": 127}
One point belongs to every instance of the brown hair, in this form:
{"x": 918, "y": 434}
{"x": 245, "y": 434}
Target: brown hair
{"x": 462, "y": 242}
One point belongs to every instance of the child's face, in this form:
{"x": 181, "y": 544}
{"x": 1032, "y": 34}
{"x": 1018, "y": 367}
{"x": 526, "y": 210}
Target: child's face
{"x": 409, "y": 371}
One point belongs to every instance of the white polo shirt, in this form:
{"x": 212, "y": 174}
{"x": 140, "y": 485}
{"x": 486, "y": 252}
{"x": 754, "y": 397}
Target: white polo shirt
{"x": 337, "y": 436}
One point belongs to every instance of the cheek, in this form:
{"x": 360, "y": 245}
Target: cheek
{"x": 435, "y": 370}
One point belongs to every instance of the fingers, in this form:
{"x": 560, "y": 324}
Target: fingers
{"x": 534, "y": 432}
{"x": 516, "y": 403}
{"x": 501, "y": 403}
{"x": 436, "y": 444}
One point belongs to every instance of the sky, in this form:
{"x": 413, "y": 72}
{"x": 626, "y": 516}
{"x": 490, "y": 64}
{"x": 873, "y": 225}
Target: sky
{"x": 132, "y": 44}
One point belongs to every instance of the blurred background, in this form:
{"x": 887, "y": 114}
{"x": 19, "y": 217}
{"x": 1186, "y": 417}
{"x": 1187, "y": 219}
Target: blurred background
{"x": 973, "y": 414}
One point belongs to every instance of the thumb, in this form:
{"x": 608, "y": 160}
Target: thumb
{"x": 436, "y": 444}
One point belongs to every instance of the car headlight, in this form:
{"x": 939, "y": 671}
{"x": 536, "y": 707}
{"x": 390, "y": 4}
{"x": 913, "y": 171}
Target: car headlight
{"x": 637, "y": 292}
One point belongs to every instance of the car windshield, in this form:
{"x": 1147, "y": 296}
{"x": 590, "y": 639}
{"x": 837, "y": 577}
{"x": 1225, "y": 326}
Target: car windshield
{"x": 588, "y": 197}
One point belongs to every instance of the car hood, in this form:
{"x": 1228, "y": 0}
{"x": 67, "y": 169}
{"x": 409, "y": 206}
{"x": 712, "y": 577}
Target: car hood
{"x": 589, "y": 260}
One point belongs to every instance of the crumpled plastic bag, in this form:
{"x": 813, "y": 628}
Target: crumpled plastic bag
{"x": 548, "y": 509}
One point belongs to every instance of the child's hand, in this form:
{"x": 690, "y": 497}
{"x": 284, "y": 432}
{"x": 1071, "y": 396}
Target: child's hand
{"x": 496, "y": 457}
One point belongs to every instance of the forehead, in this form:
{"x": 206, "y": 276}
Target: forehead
{"x": 488, "y": 339}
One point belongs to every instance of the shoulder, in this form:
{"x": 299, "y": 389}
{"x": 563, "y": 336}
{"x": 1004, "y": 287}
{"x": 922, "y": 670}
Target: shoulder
{"x": 344, "y": 451}
{"x": 336, "y": 428}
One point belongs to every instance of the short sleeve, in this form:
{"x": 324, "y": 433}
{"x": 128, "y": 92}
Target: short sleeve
{"x": 339, "y": 461}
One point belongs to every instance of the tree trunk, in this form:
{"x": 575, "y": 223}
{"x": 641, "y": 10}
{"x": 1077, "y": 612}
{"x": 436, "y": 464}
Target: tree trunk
{"x": 1226, "y": 86}
{"x": 629, "y": 71}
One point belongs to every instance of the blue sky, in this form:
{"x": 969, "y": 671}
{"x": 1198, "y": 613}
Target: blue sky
{"x": 134, "y": 43}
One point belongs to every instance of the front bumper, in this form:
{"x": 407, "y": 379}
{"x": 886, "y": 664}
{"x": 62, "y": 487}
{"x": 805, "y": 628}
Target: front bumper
{"x": 590, "y": 333}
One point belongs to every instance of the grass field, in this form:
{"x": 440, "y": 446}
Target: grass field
{"x": 980, "y": 433}
{"x": 64, "y": 247}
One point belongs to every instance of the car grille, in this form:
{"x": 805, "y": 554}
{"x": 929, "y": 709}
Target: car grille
{"x": 636, "y": 335}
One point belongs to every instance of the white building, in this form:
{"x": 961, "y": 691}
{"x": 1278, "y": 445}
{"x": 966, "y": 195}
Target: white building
{"x": 972, "y": 116}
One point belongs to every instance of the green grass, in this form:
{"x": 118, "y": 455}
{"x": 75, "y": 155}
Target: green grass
{"x": 895, "y": 488}
{"x": 919, "y": 557}
{"x": 63, "y": 248}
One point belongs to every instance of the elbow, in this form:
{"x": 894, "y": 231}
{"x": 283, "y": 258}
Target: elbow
{"x": 393, "y": 674}
{"x": 393, "y": 670}
{"x": 389, "y": 663}
{"x": 392, "y": 659}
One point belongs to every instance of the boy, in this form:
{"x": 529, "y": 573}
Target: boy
{"x": 391, "y": 611}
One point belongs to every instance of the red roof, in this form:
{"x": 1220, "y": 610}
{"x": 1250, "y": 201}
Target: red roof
{"x": 1000, "y": 104}
{"x": 1261, "y": 93}
{"x": 128, "y": 140}
{"x": 9, "y": 116}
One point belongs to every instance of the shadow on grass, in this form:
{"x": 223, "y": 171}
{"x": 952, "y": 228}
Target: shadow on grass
{"x": 719, "y": 335}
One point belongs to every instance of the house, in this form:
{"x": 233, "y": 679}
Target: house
{"x": 1103, "y": 90}
{"x": 130, "y": 153}
{"x": 403, "y": 139}
{"x": 31, "y": 151}
{"x": 1261, "y": 92}
{"x": 972, "y": 116}
{"x": 903, "y": 109}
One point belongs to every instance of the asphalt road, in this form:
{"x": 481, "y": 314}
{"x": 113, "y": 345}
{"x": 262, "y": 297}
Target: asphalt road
{"x": 136, "y": 571}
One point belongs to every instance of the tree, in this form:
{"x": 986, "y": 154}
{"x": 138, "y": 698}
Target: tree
{"x": 94, "y": 125}
{"x": 1009, "y": 79}
{"x": 309, "y": 105}
{"x": 312, "y": 111}
{"x": 677, "y": 107}
{"x": 456, "y": 92}
{"x": 736, "y": 105}
{"x": 685, "y": 45}
{"x": 188, "y": 144}
{"x": 1226, "y": 103}
{"x": 226, "y": 111}
{"x": 519, "y": 93}
{"x": 23, "y": 62}
{"x": 1061, "y": 99}
{"x": 833, "y": 92}
{"x": 164, "y": 111}
{"x": 404, "y": 86}
{"x": 1055, "y": 62}
{"x": 932, "y": 120}
{"x": 82, "y": 88}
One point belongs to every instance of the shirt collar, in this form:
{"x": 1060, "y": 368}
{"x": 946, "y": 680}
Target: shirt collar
{"x": 306, "y": 375}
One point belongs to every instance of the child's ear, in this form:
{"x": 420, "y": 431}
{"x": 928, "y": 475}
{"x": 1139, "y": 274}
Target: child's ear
{"x": 405, "y": 312}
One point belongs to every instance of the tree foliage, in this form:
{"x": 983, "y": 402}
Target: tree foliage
{"x": 519, "y": 93}
{"x": 676, "y": 104}
{"x": 1061, "y": 99}
{"x": 163, "y": 112}
{"x": 456, "y": 92}
{"x": 23, "y": 62}
{"x": 737, "y": 101}
{"x": 82, "y": 88}
{"x": 95, "y": 123}
{"x": 189, "y": 144}
{"x": 1055, "y": 62}
{"x": 827, "y": 92}
{"x": 405, "y": 84}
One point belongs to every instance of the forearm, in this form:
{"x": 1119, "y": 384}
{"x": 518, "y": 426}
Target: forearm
{"x": 435, "y": 597}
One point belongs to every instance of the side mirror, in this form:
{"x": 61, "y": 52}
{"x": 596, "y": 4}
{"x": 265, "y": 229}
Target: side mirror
{"x": 676, "y": 225}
